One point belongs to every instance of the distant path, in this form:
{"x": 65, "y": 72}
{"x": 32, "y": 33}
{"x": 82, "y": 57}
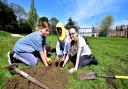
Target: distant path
{"x": 16, "y": 35}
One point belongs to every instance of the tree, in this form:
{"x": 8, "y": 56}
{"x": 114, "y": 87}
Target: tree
{"x": 19, "y": 11}
{"x": 24, "y": 26}
{"x": 33, "y": 16}
{"x": 4, "y": 1}
{"x": 71, "y": 23}
{"x": 8, "y": 20}
{"x": 105, "y": 24}
{"x": 53, "y": 22}
{"x": 43, "y": 19}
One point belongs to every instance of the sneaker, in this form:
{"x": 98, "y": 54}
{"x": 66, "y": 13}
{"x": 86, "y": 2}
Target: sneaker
{"x": 94, "y": 60}
{"x": 11, "y": 59}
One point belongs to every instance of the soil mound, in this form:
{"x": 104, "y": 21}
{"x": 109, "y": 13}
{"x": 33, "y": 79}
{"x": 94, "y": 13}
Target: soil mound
{"x": 53, "y": 77}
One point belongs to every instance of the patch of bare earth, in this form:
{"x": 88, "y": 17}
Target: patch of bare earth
{"x": 53, "y": 78}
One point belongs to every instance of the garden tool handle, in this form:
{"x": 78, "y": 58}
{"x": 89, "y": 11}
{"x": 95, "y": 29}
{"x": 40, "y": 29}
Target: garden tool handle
{"x": 112, "y": 76}
{"x": 105, "y": 76}
{"x": 121, "y": 77}
{"x": 27, "y": 76}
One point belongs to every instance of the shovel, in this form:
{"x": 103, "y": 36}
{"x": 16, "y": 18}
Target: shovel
{"x": 93, "y": 75}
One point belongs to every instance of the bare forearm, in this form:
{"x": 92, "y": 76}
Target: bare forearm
{"x": 77, "y": 62}
{"x": 43, "y": 57}
{"x": 44, "y": 60}
{"x": 66, "y": 59}
{"x": 77, "y": 58}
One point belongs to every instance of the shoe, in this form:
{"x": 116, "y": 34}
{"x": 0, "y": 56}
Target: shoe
{"x": 11, "y": 59}
{"x": 94, "y": 60}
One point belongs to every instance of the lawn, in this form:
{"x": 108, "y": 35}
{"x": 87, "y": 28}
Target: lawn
{"x": 112, "y": 54}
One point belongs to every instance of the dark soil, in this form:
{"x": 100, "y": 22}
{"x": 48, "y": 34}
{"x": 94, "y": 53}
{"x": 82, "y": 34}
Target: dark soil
{"x": 111, "y": 81}
{"x": 53, "y": 77}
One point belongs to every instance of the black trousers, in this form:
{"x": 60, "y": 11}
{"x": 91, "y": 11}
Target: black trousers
{"x": 83, "y": 61}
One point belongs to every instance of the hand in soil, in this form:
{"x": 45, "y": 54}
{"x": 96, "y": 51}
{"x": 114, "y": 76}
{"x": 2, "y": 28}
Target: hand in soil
{"x": 72, "y": 70}
{"x": 47, "y": 67}
{"x": 49, "y": 60}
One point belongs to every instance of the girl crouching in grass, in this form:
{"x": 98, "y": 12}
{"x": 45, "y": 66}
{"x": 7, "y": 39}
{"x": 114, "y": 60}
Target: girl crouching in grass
{"x": 80, "y": 53}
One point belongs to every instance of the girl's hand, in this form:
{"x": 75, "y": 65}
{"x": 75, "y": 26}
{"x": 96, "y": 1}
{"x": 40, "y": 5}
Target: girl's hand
{"x": 72, "y": 70}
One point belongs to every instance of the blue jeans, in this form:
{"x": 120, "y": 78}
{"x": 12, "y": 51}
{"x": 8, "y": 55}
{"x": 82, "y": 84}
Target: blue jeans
{"x": 83, "y": 61}
{"x": 28, "y": 58}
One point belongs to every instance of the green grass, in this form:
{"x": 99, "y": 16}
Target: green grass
{"x": 52, "y": 39}
{"x": 112, "y": 54}
{"x": 5, "y": 45}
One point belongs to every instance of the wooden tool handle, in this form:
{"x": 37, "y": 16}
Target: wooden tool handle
{"x": 27, "y": 76}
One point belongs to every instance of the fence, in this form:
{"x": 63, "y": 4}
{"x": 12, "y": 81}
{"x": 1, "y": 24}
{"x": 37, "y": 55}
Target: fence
{"x": 117, "y": 33}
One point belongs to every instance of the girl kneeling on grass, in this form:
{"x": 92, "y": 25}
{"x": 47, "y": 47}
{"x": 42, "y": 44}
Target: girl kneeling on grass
{"x": 62, "y": 45}
{"x": 80, "y": 53}
{"x": 29, "y": 49}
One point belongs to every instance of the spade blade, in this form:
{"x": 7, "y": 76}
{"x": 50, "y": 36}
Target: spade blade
{"x": 84, "y": 76}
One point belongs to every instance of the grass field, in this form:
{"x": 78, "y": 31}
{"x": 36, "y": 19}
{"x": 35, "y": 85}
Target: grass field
{"x": 112, "y": 54}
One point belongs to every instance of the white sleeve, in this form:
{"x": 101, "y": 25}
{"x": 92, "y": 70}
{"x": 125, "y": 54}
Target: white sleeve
{"x": 57, "y": 47}
{"x": 81, "y": 42}
{"x": 67, "y": 44}
{"x": 66, "y": 47}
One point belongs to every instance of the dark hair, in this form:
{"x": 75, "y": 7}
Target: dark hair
{"x": 72, "y": 43}
{"x": 44, "y": 24}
